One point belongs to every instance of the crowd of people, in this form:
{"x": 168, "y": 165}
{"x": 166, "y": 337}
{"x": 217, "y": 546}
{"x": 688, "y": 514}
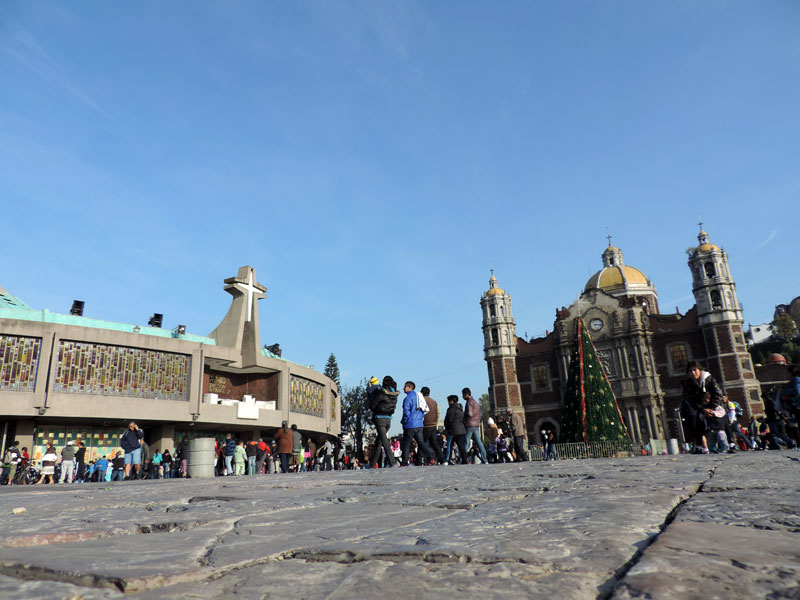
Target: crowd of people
{"x": 711, "y": 421}
{"x": 423, "y": 444}
{"x": 710, "y": 425}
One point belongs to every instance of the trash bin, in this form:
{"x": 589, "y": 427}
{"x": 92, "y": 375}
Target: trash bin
{"x": 202, "y": 457}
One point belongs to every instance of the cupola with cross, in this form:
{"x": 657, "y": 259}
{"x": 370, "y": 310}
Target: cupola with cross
{"x": 712, "y": 284}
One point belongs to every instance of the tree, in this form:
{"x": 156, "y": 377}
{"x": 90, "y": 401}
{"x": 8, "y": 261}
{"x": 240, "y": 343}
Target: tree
{"x": 591, "y": 413}
{"x": 785, "y": 327}
{"x": 483, "y": 402}
{"x": 332, "y": 371}
{"x": 355, "y": 415}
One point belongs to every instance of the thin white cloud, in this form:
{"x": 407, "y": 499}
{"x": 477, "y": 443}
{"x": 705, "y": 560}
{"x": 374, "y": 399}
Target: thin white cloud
{"x": 23, "y": 47}
{"x": 767, "y": 240}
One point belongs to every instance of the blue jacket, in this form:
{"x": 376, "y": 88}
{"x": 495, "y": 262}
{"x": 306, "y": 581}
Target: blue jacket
{"x": 230, "y": 447}
{"x": 412, "y": 416}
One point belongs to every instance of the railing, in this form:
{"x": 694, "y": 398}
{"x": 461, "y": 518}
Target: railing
{"x": 590, "y": 450}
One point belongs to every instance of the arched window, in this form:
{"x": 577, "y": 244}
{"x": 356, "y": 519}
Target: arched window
{"x": 492, "y": 312}
{"x": 716, "y": 300}
{"x": 495, "y": 337}
{"x": 710, "y": 272}
{"x": 502, "y": 311}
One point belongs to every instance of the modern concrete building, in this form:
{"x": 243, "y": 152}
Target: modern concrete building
{"x": 68, "y": 377}
{"x": 644, "y": 352}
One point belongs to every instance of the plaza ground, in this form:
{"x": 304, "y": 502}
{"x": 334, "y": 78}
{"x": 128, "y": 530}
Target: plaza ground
{"x": 724, "y": 526}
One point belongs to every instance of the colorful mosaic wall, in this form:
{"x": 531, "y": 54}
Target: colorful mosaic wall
{"x": 99, "y": 441}
{"x": 87, "y": 368}
{"x": 19, "y": 361}
{"x": 306, "y": 397}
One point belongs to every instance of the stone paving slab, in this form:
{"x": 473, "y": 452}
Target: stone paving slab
{"x": 656, "y": 527}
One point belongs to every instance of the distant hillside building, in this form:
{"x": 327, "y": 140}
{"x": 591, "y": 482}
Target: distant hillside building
{"x": 644, "y": 352}
{"x": 68, "y": 377}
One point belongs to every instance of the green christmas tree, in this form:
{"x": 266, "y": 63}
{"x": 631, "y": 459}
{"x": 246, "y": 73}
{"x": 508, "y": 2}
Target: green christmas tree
{"x": 591, "y": 413}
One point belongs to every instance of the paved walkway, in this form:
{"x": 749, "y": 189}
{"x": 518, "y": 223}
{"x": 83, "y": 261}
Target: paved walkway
{"x": 653, "y": 527}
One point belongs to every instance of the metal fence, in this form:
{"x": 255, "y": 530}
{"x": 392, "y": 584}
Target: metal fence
{"x": 591, "y": 450}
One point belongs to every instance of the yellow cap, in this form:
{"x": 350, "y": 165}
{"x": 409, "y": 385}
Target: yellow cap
{"x": 373, "y": 381}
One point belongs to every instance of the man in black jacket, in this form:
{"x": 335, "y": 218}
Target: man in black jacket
{"x": 131, "y": 443}
{"x": 454, "y": 426}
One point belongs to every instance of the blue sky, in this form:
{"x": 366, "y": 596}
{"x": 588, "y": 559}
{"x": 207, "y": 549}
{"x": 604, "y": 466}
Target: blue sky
{"x": 372, "y": 160}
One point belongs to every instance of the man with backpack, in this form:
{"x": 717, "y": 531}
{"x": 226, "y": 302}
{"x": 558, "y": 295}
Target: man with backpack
{"x": 382, "y": 400}
{"x": 414, "y": 410}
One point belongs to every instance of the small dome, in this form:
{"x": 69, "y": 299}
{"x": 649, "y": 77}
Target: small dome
{"x": 705, "y": 245}
{"x": 776, "y": 359}
{"x": 493, "y": 289}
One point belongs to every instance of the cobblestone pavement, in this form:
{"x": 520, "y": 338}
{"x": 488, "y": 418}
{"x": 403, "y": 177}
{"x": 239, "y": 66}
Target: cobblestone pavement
{"x": 652, "y": 527}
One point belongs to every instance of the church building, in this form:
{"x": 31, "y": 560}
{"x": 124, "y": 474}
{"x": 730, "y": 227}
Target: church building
{"x": 644, "y": 352}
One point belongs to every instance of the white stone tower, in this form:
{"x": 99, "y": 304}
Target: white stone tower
{"x": 712, "y": 284}
{"x": 500, "y": 350}
{"x": 719, "y": 316}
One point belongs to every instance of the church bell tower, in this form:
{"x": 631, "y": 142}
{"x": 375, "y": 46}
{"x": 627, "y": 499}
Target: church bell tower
{"x": 500, "y": 350}
{"x": 719, "y": 316}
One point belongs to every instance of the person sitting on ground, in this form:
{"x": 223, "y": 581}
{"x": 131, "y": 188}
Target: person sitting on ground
{"x": 697, "y": 383}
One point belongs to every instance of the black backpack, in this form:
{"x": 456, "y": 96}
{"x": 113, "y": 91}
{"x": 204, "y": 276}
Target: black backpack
{"x": 383, "y": 402}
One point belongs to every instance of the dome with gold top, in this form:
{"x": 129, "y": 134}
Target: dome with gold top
{"x": 705, "y": 245}
{"x": 619, "y": 279}
{"x": 493, "y": 289}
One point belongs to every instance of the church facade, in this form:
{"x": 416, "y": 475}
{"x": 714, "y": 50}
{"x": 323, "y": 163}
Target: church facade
{"x": 70, "y": 377}
{"x": 644, "y": 352}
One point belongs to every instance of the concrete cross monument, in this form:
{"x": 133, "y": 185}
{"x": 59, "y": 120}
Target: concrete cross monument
{"x": 239, "y": 329}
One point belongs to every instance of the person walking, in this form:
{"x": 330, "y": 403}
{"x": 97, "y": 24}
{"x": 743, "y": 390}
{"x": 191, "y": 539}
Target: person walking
{"x": 100, "y": 468}
{"x": 297, "y": 449}
{"x": 518, "y": 431}
{"x": 412, "y": 424}
{"x": 430, "y": 423}
{"x": 11, "y": 460}
{"x": 166, "y": 463}
{"x": 252, "y": 450}
{"x": 285, "y": 441}
{"x": 229, "y": 452}
{"x": 240, "y": 458}
{"x": 67, "y": 462}
{"x": 550, "y": 445}
{"x": 80, "y": 462}
{"x": 262, "y": 451}
{"x": 382, "y": 401}
{"x": 327, "y": 456}
{"x": 454, "y": 426}
{"x": 131, "y": 444}
{"x": 472, "y": 423}
{"x": 183, "y": 455}
{"x": 118, "y": 467}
